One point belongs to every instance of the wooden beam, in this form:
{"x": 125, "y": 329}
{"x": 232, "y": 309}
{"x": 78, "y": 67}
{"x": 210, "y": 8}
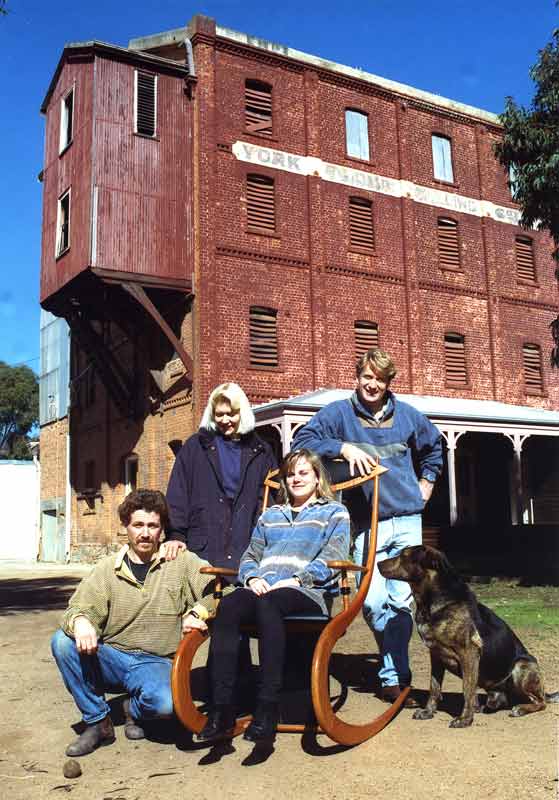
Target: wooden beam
{"x": 139, "y": 294}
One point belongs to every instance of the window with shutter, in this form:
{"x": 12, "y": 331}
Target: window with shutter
{"x": 449, "y": 251}
{"x": 261, "y": 213}
{"x": 366, "y": 336}
{"x": 258, "y": 108}
{"x": 146, "y": 103}
{"x": 513, "y": 180}
{"x": 442, "y": 158}
{"x": 63, "y": 224}
{"x": 66, "y": 120}
{"x": 533, "y": 373}
{"x": 455, "y": 360}
{"x": 357, "y": 134}
{"x": 361, "y": 233}
{"x": 263, "y": 332}
{"x": 525, "y": 267}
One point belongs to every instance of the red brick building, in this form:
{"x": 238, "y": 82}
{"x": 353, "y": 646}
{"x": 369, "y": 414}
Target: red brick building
{"x": 220, "y": 207}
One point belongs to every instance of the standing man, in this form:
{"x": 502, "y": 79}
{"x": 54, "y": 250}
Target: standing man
{"x": 124, "y": 623}
{"x": 373, "y": 424}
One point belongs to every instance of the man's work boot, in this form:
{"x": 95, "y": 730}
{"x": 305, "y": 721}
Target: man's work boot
{"x": 391, "y": 693}
{"x": 100, "y": 733}
{"x": 131, "y": 728}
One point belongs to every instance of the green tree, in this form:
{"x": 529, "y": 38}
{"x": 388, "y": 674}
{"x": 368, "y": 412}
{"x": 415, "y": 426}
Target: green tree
{"x": 530, "y": 152}
{"x": 19, "y": 409}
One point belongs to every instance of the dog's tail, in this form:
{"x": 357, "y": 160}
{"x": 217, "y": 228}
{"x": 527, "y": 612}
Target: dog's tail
{"x": 552, "y": 698}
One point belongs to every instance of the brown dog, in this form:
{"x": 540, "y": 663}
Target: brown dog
{"x": 466, "y": 638}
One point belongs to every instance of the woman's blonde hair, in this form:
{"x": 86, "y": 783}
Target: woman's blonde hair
{"x": 323, "y": 488}
{"x": 233, "y": 394}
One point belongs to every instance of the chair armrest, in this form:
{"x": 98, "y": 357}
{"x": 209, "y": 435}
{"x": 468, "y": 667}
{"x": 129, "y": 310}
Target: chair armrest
{"x": 347, "y": 565}
{"x": 219, "y": 571}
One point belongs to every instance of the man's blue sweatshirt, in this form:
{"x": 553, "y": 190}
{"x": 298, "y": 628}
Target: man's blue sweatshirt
{"x": 402, "y": 435}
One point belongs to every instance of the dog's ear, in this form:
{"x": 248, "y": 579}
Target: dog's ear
{"x": 416, "y": 553}
{"x": 435, "y": 560}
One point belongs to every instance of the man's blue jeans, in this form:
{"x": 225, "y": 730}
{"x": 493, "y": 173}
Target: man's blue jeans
{"x": 387, "y": 607}
{"x": 146, "y": 678}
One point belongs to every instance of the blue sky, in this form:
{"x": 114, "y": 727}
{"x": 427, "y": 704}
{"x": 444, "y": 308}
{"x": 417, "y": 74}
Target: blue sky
{"x": 474, "y": 52}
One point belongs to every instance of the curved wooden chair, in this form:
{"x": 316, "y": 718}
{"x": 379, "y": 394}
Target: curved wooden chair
{"x": 333, "y": 628}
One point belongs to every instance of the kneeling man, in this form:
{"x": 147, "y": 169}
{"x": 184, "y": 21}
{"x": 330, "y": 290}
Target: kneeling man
{"x": 124, "y": 623}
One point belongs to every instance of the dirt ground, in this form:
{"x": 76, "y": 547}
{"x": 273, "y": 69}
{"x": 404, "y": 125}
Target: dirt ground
{"x": 498, "y": 757}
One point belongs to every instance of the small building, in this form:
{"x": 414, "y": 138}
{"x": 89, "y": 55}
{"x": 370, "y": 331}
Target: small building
{"x": 19, "y": 489}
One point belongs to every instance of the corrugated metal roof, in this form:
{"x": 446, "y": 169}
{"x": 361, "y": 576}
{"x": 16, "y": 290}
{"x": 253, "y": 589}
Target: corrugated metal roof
{"x": 438, "y": 407}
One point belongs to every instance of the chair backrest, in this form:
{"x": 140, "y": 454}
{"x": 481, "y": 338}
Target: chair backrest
{"x": 338, "y": 470}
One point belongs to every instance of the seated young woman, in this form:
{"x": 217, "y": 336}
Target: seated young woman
{"x": 283, "y": 571}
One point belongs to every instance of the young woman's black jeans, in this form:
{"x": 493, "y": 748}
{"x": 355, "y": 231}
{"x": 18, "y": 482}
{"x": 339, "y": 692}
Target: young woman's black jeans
{"x": 268, "y": 612}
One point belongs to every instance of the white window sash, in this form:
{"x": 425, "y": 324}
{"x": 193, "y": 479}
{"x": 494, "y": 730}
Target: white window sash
{"x": 442, "y": 158}
{"x": 357, "y": 134}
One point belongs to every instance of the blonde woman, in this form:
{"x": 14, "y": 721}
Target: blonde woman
{"x": 216, "y": 486}
{"x": 283, "y": 571}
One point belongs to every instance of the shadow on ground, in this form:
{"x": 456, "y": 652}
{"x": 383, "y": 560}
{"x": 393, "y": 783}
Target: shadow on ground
{"x": 18, "y": 595}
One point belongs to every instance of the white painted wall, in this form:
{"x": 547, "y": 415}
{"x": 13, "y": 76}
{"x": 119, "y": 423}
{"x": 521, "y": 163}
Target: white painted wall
{"x": 19, "y": 501}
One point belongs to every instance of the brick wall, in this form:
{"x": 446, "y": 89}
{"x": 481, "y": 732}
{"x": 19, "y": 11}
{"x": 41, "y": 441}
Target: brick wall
{"x": 53, "y": 459}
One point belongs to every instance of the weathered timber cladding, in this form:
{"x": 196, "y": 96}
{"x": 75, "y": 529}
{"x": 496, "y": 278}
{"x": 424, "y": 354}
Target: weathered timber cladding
{"x": 69, "y": 170}
{"x": 143, "y": 184}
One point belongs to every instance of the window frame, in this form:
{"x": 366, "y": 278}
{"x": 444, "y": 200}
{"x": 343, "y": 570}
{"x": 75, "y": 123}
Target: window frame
{"x": 255, "y": 228}
{"x": 129, "y": 460}
{"x": 533, "y": 392}
{"x": 449, "y": 382}
{"x": 58, "y": 250}
{"x": 365, "y": 202}
{"x": 441, "y": 137}
{"x": 155, "y": 77}
{"x": 365, "y": 116}
{"x": 524, "y": 239}
{"x": 259, "y": 82}
{"x": 456, "y": 225}
{"x": 275, "y": 313}
{"x": 66, "y": 121}
{"x": 365, "y": 324}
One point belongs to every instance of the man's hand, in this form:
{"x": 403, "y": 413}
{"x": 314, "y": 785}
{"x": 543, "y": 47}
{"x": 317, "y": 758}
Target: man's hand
{"x": 286, "y": 583}
{"x": 426, "y": 489}
{"x": 259, "y": 586}
{"x": 357, "y": 458}
{"x": 173, "y": 548}
{"x": 192, "y": 623}
{"x": 85, "y": 636}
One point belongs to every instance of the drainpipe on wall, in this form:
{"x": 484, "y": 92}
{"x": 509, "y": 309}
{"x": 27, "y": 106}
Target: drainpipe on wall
{"x": 37, "y": 464}
{"x": 190, "y": 58}
{"x": 68, "y": 498}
